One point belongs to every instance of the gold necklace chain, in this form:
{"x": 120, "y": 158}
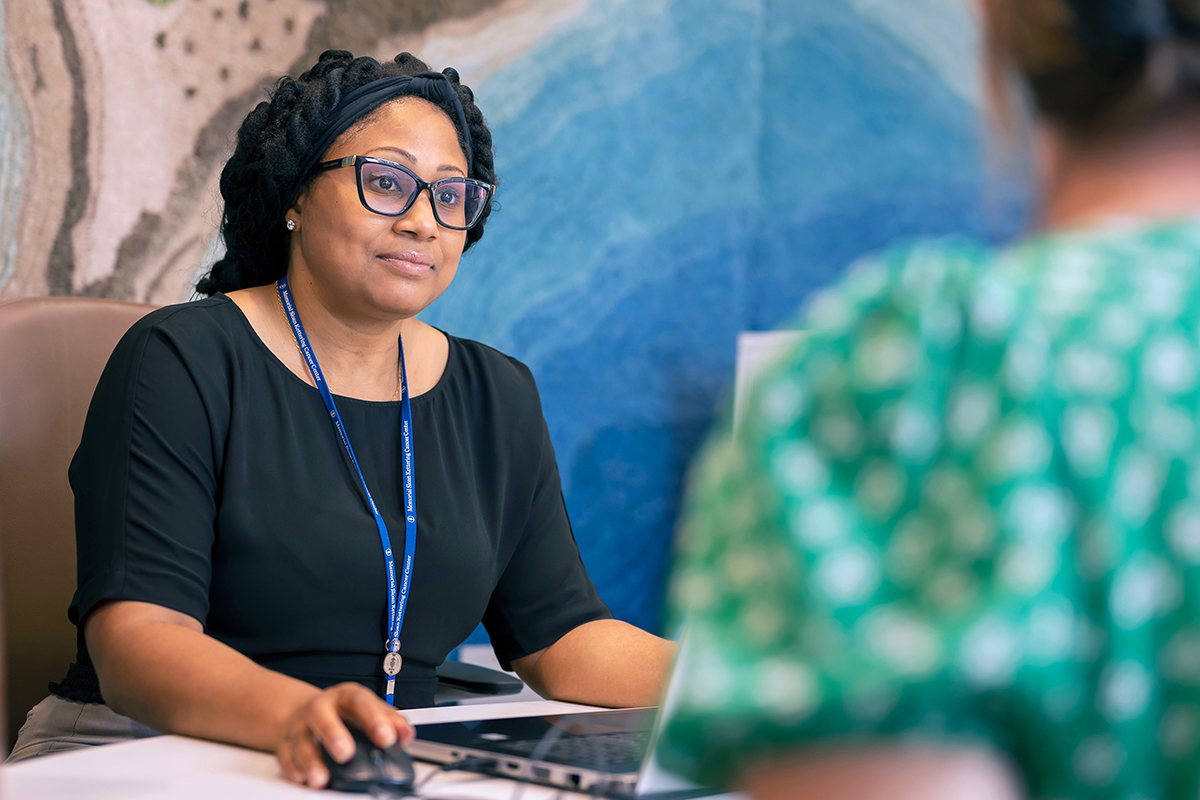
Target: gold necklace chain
{"x": 287, "y": 319}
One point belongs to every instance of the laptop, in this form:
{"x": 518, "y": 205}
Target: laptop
{"x": 756, "y": 350}
{"x": 606, "y": 753}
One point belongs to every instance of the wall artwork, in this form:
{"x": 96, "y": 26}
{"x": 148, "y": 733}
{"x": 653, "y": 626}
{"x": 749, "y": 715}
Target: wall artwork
{"x": 671, "y": 172}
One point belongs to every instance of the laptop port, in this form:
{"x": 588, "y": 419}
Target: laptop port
{"x": 512, "y": 765}
{"x": 574, "y": 779}
{"x": 540, "y": 772}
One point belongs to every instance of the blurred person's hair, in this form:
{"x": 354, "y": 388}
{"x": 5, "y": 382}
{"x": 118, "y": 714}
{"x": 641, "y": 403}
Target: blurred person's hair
{"x": 1095, "y": 69}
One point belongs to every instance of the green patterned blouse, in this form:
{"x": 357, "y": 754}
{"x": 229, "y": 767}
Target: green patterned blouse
{"x": 968, "y": 508}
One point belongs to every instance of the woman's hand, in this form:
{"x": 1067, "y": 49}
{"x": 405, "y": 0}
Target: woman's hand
{"x": 323, "y": 719}
{"x": 159, "y": 667}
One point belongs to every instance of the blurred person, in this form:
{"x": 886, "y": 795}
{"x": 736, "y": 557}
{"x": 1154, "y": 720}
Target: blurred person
{"x": 266, "y": 473}
{"x": 953, "y": 550}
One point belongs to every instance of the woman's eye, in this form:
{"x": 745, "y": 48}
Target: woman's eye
{"x": 384, "y": 183}
{"x": 449, "y": 196}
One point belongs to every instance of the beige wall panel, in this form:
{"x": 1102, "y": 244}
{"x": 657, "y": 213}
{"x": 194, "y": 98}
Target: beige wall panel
{"x": 132, "y": 109}
{"x": 43, "y": 83}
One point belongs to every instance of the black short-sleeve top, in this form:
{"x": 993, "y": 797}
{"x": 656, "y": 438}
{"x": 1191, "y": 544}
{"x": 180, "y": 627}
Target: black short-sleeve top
{"x": 210, "y": 480}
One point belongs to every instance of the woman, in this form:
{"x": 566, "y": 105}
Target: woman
{"x": 265, "y": 474}
{"x": 953, "y": 550}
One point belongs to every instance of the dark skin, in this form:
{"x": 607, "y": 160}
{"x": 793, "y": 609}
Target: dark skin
{"x": 887, "y": 772}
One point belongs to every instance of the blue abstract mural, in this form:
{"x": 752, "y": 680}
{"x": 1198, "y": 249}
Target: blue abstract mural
{"x": 682, "y": 171}
{"x": 672, "y": 172}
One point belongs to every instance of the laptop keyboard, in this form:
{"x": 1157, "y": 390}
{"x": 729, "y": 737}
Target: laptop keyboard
{"x": 598, "y": 749}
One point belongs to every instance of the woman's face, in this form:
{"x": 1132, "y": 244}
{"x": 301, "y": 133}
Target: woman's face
{"x": 365, "y": 264}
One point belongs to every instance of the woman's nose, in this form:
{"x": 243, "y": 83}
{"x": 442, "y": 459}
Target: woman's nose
{"x": 419, "y": 219}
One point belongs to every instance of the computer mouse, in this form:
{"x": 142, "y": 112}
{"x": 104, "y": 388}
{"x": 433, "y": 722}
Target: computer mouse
{"x": 383, "y": 770}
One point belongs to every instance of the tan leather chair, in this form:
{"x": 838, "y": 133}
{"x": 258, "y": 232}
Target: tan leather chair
{"x": 4, "y": 745}
{"x": 52, "y": 350}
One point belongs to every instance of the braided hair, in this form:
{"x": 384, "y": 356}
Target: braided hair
{"x": 272, "y": 141}
{"x": 1098, "y": 67}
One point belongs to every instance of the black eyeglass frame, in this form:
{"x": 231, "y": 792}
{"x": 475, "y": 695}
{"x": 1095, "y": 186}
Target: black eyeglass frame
{"x": 358, "y": 161}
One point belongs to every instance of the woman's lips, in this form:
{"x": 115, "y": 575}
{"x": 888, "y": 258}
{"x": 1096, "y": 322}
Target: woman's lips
{"x": 409, "y": 261}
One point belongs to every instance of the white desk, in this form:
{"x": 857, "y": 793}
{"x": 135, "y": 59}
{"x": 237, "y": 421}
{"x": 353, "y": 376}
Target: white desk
{"x": 180, "y": 768}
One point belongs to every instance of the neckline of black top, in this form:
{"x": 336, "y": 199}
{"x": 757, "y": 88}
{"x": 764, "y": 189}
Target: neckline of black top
{"x": 277, "y": 364}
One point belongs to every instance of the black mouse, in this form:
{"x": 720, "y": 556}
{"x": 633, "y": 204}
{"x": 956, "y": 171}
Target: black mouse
{"x": 387, "y": 770}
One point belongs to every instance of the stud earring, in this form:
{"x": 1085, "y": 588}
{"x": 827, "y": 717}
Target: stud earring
{"x": 291, "y": 224}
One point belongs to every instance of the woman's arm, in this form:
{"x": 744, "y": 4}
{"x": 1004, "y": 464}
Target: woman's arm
{"x": 158, "y": 666}
{"x": 605, "y": 662}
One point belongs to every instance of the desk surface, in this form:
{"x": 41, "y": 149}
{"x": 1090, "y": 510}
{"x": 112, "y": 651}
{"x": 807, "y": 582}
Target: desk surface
{"x": 180, "y": 768}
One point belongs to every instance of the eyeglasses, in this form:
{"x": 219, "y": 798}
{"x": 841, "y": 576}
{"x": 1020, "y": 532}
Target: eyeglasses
{"x": 390, "y": 189}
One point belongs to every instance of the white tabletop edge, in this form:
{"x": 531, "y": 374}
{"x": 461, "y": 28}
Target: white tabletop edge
{"x": 183, "y": 768}
{"x": 465, "y": 713}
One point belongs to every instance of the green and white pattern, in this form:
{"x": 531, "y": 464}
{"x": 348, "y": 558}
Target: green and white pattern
{"x": 969, "y": 508}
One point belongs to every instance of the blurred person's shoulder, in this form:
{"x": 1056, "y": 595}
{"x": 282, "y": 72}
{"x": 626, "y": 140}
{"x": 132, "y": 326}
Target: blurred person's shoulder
{"x": 887, "y": 313}
{"x": 894, "y": 319}
{"x": 1080, "y": 263}
{"x": 904, "y": 278}
{"x": 955, "y": 288}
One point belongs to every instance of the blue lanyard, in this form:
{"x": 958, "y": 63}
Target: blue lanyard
{"x": 391, "y": 659}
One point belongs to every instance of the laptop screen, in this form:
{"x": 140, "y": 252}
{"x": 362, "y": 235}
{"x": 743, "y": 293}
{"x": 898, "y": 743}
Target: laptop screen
{"x": 612, "y": 742}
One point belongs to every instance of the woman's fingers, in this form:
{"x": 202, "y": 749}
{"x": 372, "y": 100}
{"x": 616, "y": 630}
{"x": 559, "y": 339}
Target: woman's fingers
{"x": 404, "y": 728}
{"x": 324, "y": 717}
{"x": 315, "y": 724}
{"x": 323, "y": 720}
{"x": 287, "y": 764}
{"x": 300, "y": 757}
{"x": 382, "y": 724}
{"x": 308, "y": 756}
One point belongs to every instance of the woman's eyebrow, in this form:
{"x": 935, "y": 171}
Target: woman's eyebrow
{"x": 412, "y": 159}
{"x": 398, "y": 150}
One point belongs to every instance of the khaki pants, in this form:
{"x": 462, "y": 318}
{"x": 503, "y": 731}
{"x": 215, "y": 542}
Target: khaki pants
{"x": 56, "y": 724}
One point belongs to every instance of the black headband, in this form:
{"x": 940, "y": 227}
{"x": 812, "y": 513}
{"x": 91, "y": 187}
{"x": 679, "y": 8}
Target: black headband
{"x": 432, "y": 86}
